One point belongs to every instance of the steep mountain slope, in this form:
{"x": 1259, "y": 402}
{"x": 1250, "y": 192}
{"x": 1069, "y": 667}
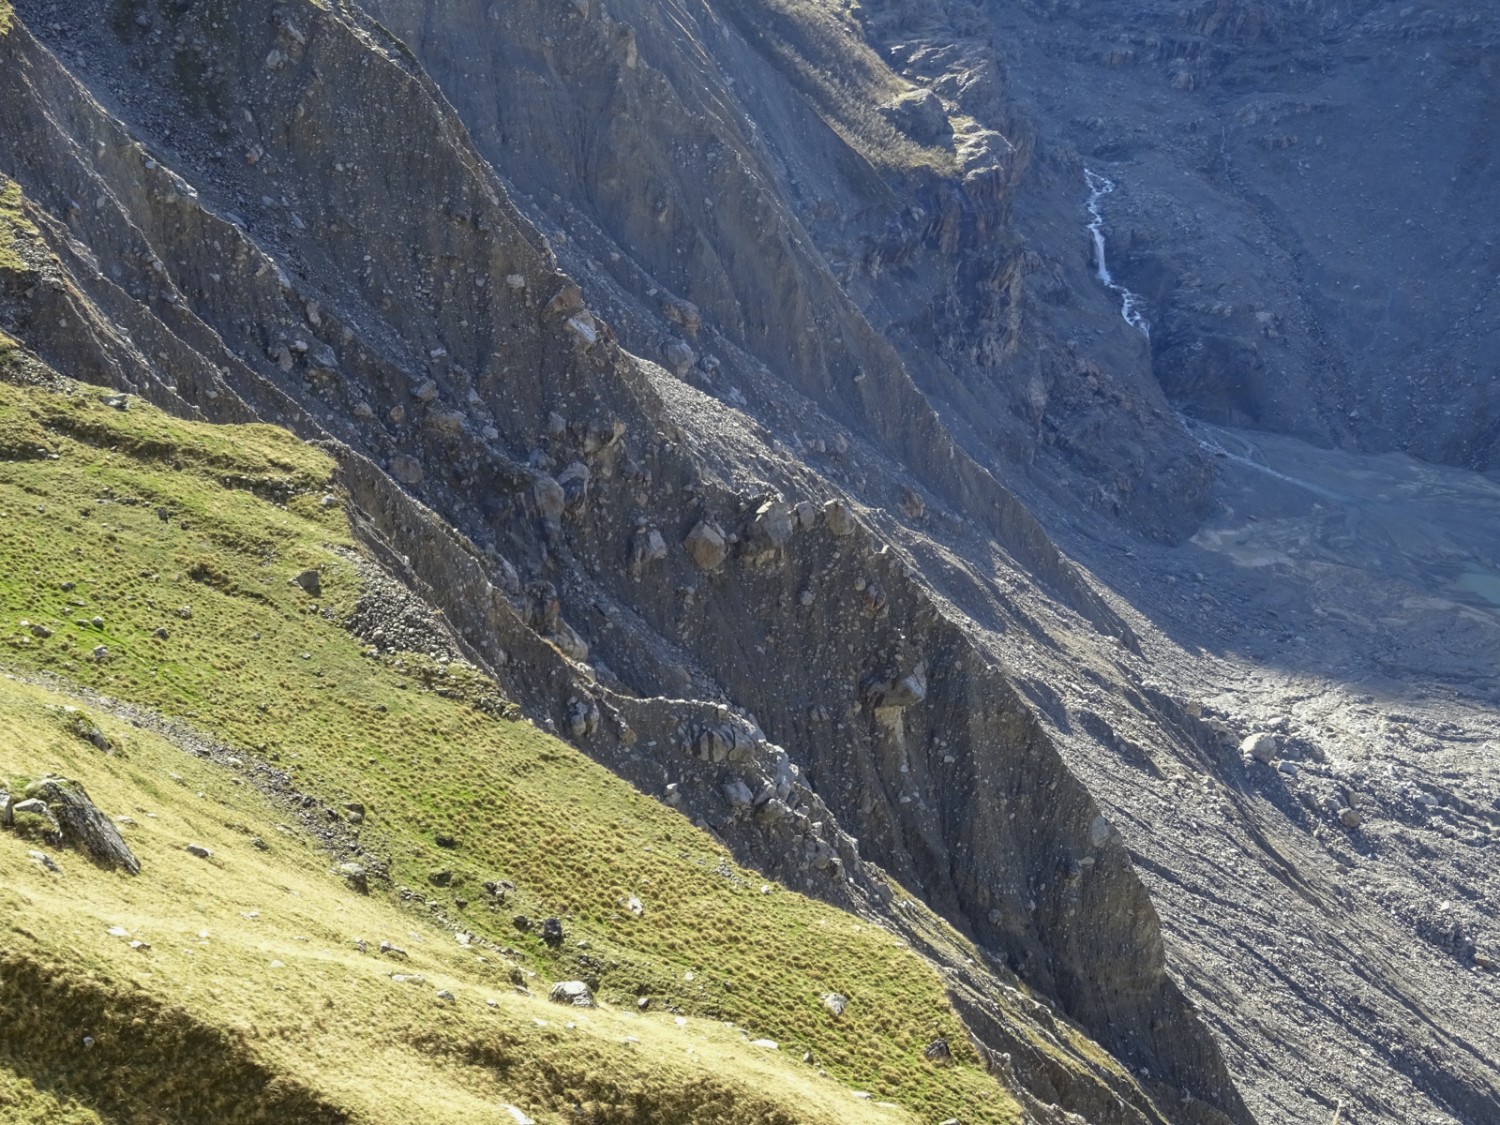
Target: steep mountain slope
{"x": 777, "y": 582}
{"x": 335, "y": 347}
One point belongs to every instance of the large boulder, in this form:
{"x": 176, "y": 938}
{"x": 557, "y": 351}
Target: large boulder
{"x": 707, "y": 545}
{"x": 82, "y": 825}
{"x": 573, "y": 992}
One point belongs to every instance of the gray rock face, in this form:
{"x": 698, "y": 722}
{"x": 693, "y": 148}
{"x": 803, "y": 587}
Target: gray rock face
{"x": 1260, "y": 747}
{"x": 920, "y": 115}
{"x": 355, "y": 875}
{"x": 573, "y": 993}
{"x": 81, "y": 825}
{"x": 707, "y": 546}
{"x": 841, "y": 521}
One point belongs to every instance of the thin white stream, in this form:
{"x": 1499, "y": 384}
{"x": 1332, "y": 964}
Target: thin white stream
{"x": 1130, "y": 304}
{"x": 1209, "y": 440}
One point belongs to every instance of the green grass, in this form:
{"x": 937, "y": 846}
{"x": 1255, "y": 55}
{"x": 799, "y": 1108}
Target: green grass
{"x": 6, "y": 16}
{"x": 14, "y": 226}
{"x": 263, "y": 667}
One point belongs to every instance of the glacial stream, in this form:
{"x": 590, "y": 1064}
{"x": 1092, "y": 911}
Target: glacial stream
{"x": 1130, "y": 304}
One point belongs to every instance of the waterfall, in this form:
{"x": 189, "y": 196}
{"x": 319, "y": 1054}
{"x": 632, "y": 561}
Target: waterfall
{"x": 1130, "y": 304}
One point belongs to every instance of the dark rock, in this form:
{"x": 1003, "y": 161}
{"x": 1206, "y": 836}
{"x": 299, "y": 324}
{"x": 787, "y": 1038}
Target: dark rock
{"x": 552, "y": 932}
{"x": 573, "y": 992}
{"x": 83, "y": 826}
{"x": 310, "y": 581}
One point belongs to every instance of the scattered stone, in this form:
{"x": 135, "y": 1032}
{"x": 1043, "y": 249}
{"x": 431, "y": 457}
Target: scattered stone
{"x": 840, "y": 519}
{"x": 185, "y": 612}
{"x": 646, "y": 546}
{"x": 40, "y": 630}
{"x": 738, "y": 794}
{"x": 395, "y": 951}
{"x": 679, "y": 356}
{"x": 440, "y": 878}
{"x": 635, "y": 906}
{"x": 573, "y": 992}
{"x": 97, "y": 622}
{"x": 585, "y": 327}
{"x": 900, "y": 692}
{"x": 516, "y": 1115}
{"x": 835, "y": 1003}
{"x": 937, "y": 1051}
{"x": 198, "y": 850}
{"x": 550, "y": 498}
{"x": 445, "y": 995}
{"x": 407, "y": 469}
{"x": 766, "y": 1044}
{"x": 45, "y": 860}
{"x": 707, "y": 546}
{"x": 583, "y": 717}
{"x": 161, "y": 633}
{"x": 356, "y": 876}
{"x": 425, "y": 391}
{"x": 101, "y": 653}
{"x": 1288, "y": 768}
{"x": 643, "y": 1003}
{"x": 1260, "y": 747}
{"x": 310, "y": 581}
{"x": 552, "y": 932}
{"x": 1350, "y": 818}
{"x": 575, "y": 484}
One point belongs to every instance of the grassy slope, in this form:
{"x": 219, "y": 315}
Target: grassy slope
{"x": 260, "y": 666}
{"x": 13, "y": 224}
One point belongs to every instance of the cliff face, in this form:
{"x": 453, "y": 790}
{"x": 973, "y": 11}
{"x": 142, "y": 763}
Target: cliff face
{"x": 705, "y": 364}
{"x": 1303, "y": 204}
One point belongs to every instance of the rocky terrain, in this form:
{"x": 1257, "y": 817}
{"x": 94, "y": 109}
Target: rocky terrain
{"x": 736, "y": 380}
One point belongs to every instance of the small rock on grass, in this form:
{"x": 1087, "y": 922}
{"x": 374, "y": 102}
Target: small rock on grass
{"x": 198, "y": 850}
{"x": 573, "y": 992}
{"x": 310, "y": 581}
